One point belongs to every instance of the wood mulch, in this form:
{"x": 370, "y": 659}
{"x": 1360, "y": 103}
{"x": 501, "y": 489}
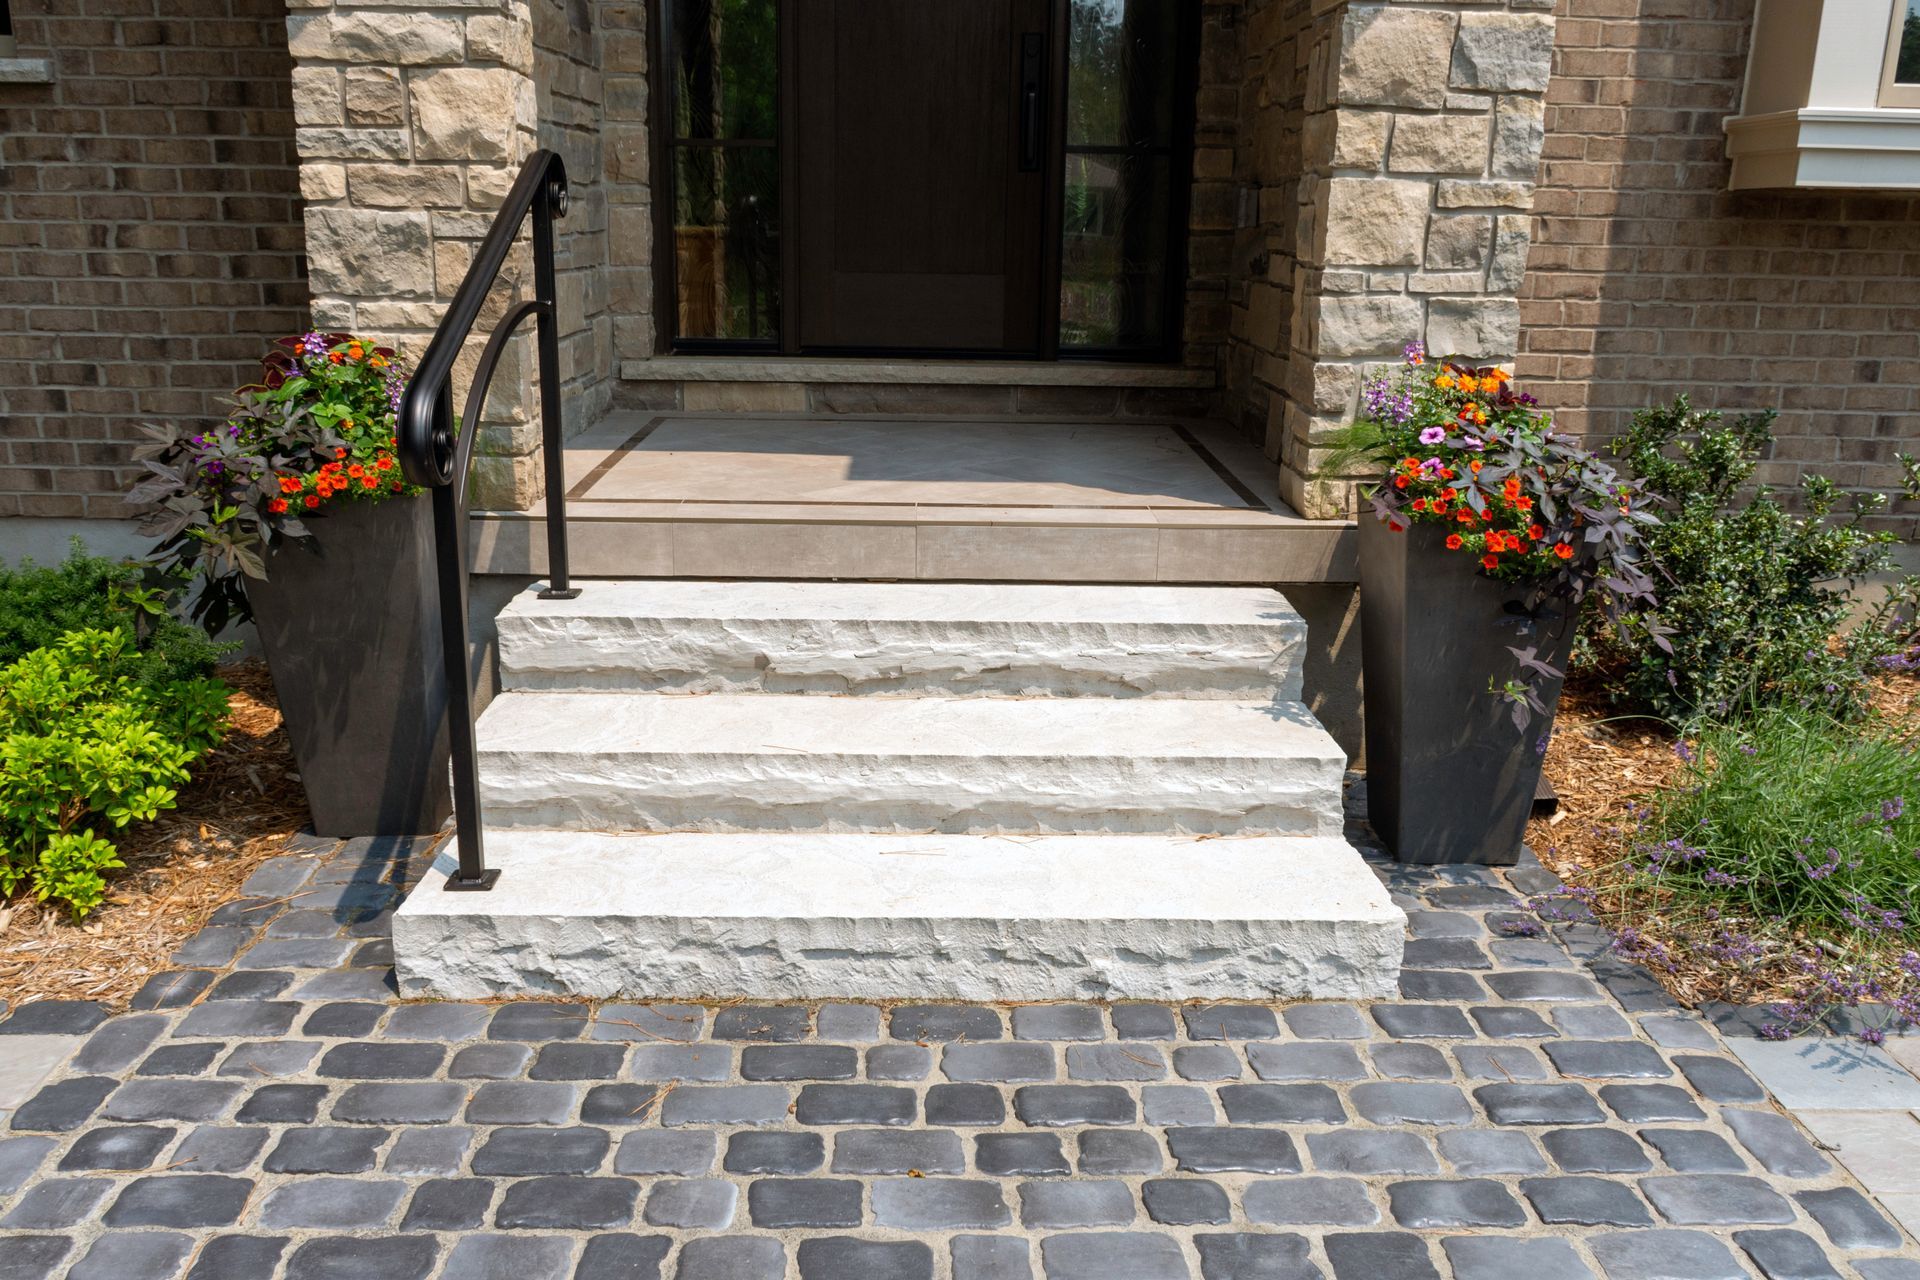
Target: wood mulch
{"x": 242, "y": 805}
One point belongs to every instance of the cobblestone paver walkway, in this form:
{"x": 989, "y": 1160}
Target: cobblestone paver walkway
{"x": 1528, "y": 1110}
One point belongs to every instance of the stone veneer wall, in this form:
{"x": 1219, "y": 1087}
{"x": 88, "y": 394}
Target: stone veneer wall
{"x": 413, "y": 125}
{"x": 570, "y": 88}
{"x": 1266, "y": 172}
{"x": 1648, "y": 277}
{"x": 1420, "y": 145}
{"x": 150, "y": 241}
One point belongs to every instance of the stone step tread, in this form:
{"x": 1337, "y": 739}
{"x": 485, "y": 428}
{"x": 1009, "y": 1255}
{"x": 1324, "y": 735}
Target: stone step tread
{"x": 906, "y": 638}
{"x": 959, "y": 602}
{"x": 780, "y": 915}
{"x": 521, "y": 722}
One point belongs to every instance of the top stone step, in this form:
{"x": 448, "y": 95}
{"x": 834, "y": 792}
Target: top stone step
{"x": 905, "y": 638}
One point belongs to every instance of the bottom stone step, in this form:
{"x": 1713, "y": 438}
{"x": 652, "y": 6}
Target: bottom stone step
{"x": 967, "y": 917}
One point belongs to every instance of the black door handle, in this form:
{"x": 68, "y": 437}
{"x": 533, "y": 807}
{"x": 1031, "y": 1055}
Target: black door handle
{"x": 1031, "y": 49}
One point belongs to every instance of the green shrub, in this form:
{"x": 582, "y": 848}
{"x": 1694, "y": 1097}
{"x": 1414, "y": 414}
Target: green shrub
{"x": 39, "y": 604}
{"x": 1755, "y": 599}
{"x": 89, "y": 744}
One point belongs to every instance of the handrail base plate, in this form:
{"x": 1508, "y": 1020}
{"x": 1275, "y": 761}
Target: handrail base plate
{"x": 480, "y": 884}
{"x": 571, "y": 593}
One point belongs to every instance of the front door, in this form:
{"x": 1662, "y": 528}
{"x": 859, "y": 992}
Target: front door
{"x": 921, "y": 171}
{"x": 923, "y": 177}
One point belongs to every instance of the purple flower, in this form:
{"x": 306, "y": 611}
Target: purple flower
{"x": 1475, "y": 442}
{"x": 1890, "y": 810}
{"x": 1433, "y": 435}
{"x": 1414, "y": 352}
{"x": 1681, "y": 749}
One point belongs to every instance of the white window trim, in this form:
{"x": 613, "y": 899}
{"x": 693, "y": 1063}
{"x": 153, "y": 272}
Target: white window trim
{"x": 1819, "y": 109}
{"x": 1892, "y": 92}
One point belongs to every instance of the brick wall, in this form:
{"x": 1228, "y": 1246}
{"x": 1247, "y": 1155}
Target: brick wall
{"x": 1648, "y": 277}
{"x": 150, "y": 237}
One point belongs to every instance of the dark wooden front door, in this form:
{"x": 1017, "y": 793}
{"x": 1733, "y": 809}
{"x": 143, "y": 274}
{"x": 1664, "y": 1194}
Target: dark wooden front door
{"x": 920, "y": 161}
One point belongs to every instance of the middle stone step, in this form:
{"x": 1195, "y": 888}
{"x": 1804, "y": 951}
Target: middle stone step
{"x": 792, "y": 762}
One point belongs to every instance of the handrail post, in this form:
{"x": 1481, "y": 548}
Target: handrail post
{"x": 450, "y": 549}
{"x": 547, "y": 328}
{"x": 436, "y": 456}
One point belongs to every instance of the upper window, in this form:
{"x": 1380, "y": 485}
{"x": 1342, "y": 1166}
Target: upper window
{"x": 1900, "y": 85}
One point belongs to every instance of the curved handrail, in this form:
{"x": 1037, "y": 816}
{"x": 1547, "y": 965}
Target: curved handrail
{"x": 437, "y": 455}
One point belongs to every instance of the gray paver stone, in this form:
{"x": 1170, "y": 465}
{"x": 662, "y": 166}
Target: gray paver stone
{"x": 1220, "y": 1150}
{"x": 874, "y": 1151}
{"x": 999, "y": 1062}
{"x": 1373, "y": 1255}
{"x": 332, "y": 1202}
{"x": 682, "y": 1152}
{"x": 1665, "y": 1255}
{"x": 1103, "y": 1255}
{"x": 774, "y": 1153}
{"x": 1481, "y": 1151}
{"x": 1786, "y": 1255}
{"x": 1305, "y": 1201}
{"x": 491, "y": 1257}
{"x": 732, "y": 1258}
{"x": 1494, "y": 1258}
{"x": 1186, "y": 1202}
{"x": 1848, "y": 1218}
{"x": 847, "y": 1258}
{"x": 526, "y": 1151}
{"x": 568, "y": 1203}
{"x": 991, "y": 1257}
{"x": 1076, "y": 1204}
{"x": 1715, "y": 1200}
{"x": 1058, "y": 1022}
{"x": 924, "y": 1204}
{"x": 781, "y": 1203}
{"x": 1241, "y": 1256}
{"x": 1590, "y": 1202}
{"x": 1371, "y": 1151}
{"x": 1310, "y": 1060}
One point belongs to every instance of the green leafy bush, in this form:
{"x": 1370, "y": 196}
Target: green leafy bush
{"x": 1756, "y": 599}
{"x": 88, "y": 744}
{"x": 41, "y": 603}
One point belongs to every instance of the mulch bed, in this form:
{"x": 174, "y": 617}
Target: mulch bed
{"x": 242, "y": 805}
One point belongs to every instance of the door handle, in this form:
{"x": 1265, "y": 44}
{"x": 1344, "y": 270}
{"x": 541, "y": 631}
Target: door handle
{"x": 1031, "y": 49}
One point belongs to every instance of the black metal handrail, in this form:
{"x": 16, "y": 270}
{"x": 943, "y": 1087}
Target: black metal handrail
{"x": 436, "y": 451}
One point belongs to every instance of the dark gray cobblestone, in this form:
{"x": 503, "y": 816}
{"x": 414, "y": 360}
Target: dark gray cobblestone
{"x": 272, "y": 1112}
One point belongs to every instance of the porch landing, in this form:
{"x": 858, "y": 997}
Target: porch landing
{"x": 899, "y": 497}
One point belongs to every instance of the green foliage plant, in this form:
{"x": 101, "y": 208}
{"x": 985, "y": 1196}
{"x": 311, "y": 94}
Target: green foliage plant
{"x": 87, "y": 747}
{"x": 41, "y": 603}
{"x": 1758, "y": 599}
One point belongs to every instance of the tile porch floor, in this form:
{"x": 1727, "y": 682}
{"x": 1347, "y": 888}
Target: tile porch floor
{"x": 270, "y": 1110}
{"x": 737, "y": 495}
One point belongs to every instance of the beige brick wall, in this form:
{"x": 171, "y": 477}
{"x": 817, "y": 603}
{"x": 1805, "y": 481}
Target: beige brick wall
{"x": 1648, "y": 277}
{"x": 150, "y": 241}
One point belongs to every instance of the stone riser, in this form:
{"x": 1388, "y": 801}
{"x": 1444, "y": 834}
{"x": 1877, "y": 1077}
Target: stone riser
{"x": 848, "y": 793}
{"x": 813, "y": 917}
{"x": 774, "y": 762}
{"x": 644, "y": 655}
{"x": 952, "y": 640}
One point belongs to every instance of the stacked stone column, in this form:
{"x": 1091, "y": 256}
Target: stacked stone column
{"x": 1422, "y": 145}
{"x": 411, "y": 128}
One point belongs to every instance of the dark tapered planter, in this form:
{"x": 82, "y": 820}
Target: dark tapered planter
{"x": 1449, "y": 777}
{"x": 350, "y": 627}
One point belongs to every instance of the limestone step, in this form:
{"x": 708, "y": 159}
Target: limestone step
{"x": 950, "y": 638}
{"x": 921, "y": 917}
{"x": 793, "y": 762}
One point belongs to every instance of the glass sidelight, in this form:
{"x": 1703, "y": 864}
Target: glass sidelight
{"x": 723, "y": 58}
{"x": 1124, "y": 111}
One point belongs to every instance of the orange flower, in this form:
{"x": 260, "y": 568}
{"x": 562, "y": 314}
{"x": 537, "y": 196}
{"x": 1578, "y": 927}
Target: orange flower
{"x": 1475, "y": 465}
{"x": 1419, "y": 504}
{"x": 1399, "y": 482}
{"x": 1479, "y": 418}
{"x": 1489, "y": 562}
{"x": 1454, "y": 542}
{"x": 355, "y": 350}
{"x": 340, "y": 453}
{"x": 289, "y": 484}
{"x": 278, "y": 506}
{"x": 384, "y": 463}
{"x": 312, "y": 500}
{"x": 1466, "y": 517}
{"x": 1438, "y": 507}
{"x": 369, "y": 482}
{"x": 1449, "y": 493}
{"x": 1523, "y": 504}
{"x": 335, "y": 356}
{"x": 1562, "y": 550}
{"x": 1535, "y": 531}
{"x": 356, "y": 471}
{"x": 1444, "y": 381}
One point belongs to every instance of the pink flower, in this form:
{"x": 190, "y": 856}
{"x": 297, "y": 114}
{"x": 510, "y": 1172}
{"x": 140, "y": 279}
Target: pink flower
{"x": 1433, "y": 435}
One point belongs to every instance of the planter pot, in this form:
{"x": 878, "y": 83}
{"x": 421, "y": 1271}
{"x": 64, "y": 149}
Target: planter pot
{"x": 352, "y": 634}
{"x": 1449, "y": 777}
